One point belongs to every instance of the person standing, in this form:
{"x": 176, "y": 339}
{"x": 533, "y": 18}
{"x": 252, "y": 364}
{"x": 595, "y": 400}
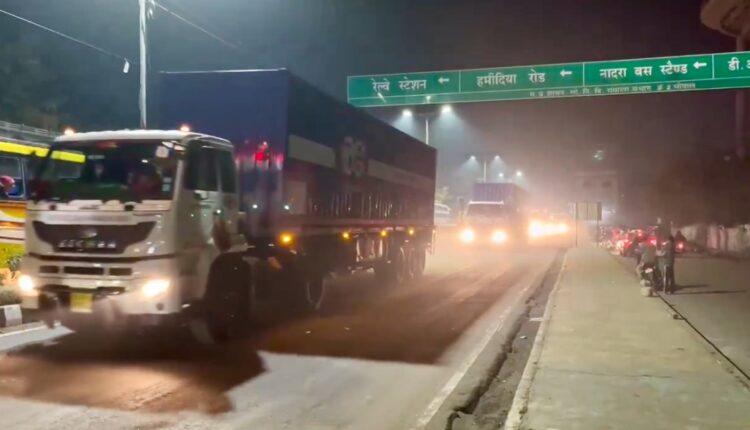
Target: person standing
{"x": 668, "y": 255}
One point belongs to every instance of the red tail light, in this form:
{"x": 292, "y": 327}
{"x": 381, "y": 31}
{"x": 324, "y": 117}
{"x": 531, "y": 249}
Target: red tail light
{"x": 680, "y": 246}
{"x": 652, "y": 241}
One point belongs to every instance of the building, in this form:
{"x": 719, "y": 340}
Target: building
{"x": 732, "y": 17}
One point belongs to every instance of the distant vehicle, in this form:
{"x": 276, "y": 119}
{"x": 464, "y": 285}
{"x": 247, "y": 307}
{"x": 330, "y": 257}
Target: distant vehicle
{"x": 19, "y": 160}
{"x": 443, "y": 215}
{"x": 495, "y": 214}
{"x": 507, "y": 193}
{"x": 166, "y": 227}
{"x": 490, "y": 223}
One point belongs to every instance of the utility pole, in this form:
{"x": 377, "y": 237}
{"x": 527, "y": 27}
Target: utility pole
{"x": 142, "y": 100}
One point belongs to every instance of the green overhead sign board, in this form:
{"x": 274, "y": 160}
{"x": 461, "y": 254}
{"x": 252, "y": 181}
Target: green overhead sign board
{"x": 640, "y": 76}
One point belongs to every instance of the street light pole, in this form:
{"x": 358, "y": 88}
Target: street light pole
{"x": 142, "y": 101}
{"x": 427, "y": 130}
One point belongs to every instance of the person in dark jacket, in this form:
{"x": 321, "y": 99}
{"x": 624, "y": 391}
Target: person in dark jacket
{"x": 667, "y": 260}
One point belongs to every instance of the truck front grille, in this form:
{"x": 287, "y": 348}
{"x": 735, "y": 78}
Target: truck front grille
{"x": 93, "y": 239}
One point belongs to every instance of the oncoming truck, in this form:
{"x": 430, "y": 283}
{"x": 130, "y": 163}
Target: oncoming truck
{"x": 279, "y": 187}
{"x": 495, "y": 215}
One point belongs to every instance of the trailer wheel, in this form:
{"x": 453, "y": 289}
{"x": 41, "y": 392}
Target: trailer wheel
{"x": 418, "y": 261}
{"x": 401, "y": 265}
{"x": 314, "y": 292}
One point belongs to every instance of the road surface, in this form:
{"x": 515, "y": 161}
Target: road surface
{"x": 377, "y": 358}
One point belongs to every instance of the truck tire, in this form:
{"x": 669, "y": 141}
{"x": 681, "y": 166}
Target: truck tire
{"x": 395, "y": 270}
{"x": 225, "y": 311}
{"x": 418, "y": 261}
{"x": 313, "y": 293}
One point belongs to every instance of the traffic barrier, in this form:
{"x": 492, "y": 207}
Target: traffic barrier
{"x": 10, "y": 315}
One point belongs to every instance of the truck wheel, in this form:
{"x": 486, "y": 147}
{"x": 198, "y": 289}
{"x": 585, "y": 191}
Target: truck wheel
{"x": 314, "y": 293}
{"x": 226, "y": 307}
{"x": 400, "y": 265}
{"x": 395, "y": 270}
{"x": 418, "y": 261}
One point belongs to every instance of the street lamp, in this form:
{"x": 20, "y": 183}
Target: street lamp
{"x": 519, "y": 173}
{"x": 501, "y": 175}
{"x": 485, "y": 161}
{"x": 408, "y": 113}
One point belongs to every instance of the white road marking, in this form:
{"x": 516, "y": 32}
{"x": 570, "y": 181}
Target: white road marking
{"x": 449, "y": 386}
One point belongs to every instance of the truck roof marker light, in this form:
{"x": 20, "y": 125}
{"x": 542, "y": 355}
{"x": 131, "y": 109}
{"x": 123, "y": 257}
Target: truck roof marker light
{"x": 185, "y": 128}
{"x": 68, "y": 131}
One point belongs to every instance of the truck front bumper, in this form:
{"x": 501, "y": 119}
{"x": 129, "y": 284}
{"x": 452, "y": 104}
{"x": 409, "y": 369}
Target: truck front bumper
{"x": 143, "y": 292}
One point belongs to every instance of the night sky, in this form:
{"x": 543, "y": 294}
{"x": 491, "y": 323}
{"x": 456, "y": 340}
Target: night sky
{"x": 325, "y": 40}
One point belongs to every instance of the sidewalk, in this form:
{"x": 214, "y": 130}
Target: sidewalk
{"x": 608, "y": 358}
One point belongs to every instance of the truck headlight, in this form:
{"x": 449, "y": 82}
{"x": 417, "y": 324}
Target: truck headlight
{"x": 27, "y": 286}
{"x": 499, "y": 236}
{"x": 155, "y": 287}
{"x": 536, "y": 229}
{"x": 467, "y": 235}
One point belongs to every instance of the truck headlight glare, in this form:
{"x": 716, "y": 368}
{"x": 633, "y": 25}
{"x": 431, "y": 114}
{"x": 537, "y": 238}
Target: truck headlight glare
{"x": 499, "y": 236}
{"x": 467, "y": 235}
{"x": 26, "y": 285}
{"x": 155, "y": 287}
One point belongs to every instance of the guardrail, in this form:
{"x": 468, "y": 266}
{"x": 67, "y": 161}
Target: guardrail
{"x": 24, "y": 132}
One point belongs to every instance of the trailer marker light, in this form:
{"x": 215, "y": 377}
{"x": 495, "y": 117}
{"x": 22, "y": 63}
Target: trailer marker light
{"x": 346, "y": 235}
{"x": 411, "y": 231}
{"x": 383, "y": 233}
{"x": 286, "y": 238}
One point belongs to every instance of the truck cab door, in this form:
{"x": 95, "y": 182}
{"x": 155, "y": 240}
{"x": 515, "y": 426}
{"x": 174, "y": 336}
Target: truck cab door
{"x": 201, "y": 205}
{"x": 229, "y": 198}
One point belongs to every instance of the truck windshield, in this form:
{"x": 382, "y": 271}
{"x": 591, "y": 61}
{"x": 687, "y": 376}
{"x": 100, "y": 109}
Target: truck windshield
{"x": 108, "y": 170}
{"x": 487, "y": 211}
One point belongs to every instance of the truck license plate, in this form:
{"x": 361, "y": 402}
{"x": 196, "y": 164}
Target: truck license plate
{"x": 81, "y": 302}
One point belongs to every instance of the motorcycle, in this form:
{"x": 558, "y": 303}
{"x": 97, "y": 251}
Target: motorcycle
{"x": 651, "y": 279}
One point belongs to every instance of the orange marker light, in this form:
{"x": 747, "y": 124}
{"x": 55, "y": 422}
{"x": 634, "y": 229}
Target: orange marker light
{"x": 286, "y": 238}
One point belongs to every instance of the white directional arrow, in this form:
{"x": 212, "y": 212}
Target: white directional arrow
{"x": 443, "y": 80}
{"x": 565, "y": 73}
{"x": 698, "y": 65}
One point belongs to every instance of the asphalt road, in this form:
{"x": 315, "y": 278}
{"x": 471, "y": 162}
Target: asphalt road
{"x": 376, "y": 358}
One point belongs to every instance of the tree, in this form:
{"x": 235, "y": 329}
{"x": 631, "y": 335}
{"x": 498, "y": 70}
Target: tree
{"x": 24, "y": 81}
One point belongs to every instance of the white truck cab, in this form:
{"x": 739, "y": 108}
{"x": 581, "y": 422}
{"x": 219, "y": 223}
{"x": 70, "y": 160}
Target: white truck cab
{"x": 130, "y": 227}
